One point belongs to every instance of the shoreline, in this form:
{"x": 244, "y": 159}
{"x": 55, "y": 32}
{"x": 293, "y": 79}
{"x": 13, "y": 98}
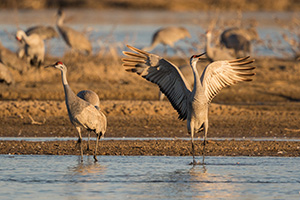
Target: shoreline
{"x": 155, "y": 148}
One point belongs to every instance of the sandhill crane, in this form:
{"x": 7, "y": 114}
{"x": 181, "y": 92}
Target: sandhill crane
{"x": 91, "y": 97}
{"x": 239, "y": 39}
{"x": 82, "y": 114}
{"x": 190, "y": 105}
{"x": 188, "y": 74}
{"x": 45, "y": 33}
{"x": 74, "y": 39}
{"x": 167, "y": 36}
{"x": 5, "y": 75}
{"x": 34, "y": 47}
{"x": 11, "y": 60}
{"x": 215, "y": 53}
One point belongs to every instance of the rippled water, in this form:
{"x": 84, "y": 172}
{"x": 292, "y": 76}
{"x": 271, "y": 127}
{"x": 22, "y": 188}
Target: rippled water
{"x": 117, "y": 28}
{"x": 148, "y": 177}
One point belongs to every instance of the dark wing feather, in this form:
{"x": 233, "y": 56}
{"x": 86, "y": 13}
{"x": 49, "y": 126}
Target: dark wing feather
{"x": 163, "y": 73}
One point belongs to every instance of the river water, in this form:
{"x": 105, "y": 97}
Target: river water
{"x": 148, "y": 177}
{"x": 112, "y": 29}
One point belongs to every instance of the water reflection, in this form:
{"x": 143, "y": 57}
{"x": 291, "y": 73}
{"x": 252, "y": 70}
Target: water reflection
{"x": 88, "y": 167}
{"x": 197, "y": 182}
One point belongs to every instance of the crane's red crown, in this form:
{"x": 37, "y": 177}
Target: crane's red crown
{"x": 59, "y": 63}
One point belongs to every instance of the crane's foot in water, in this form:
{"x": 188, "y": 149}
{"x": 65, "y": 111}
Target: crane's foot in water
{"x": 196, "y": 163}
{"x": 95, "y": 159}
{"x": 78, "y": 142}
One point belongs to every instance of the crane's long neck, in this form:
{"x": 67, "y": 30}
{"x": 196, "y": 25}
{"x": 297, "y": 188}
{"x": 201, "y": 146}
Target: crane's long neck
{"x": 25, "y": 38}
{"x": 208, "y": 43}
{"x": 69, "y": 94}
{"x": 60, "y": 20}
{"x": 197, "y": 82}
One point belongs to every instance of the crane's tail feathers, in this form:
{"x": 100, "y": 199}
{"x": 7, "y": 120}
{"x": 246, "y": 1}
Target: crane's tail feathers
{"x": 134, "y": 55}
{"x": 239, "y": 60}
{"x": 241, "y": 63}
{"x": 138, "y": 50}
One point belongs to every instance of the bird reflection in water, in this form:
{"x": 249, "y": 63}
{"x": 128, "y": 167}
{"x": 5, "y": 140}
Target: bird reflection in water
{"x": 209, "y": 185}
{"x": 88, "y": 168}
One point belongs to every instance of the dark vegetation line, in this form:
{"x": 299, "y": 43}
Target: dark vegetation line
{"x": 178, "y": 5}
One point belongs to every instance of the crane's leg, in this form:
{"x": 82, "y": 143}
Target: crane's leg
{"x": 204, "y": 141}
{"x": 193, "y": 146}
{"x": 97, "y": 140}
{"x": 88, "y": 145}
{"x": 80, "y": 141}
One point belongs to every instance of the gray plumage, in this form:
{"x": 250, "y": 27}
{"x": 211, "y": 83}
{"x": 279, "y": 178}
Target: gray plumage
{"x": 91, "y": 97}
{"x": 239, "y": 39}
{"x": 167, "y": 36}
{"x": 45, "y": 32}
{"x": 188, "y": 74}
{"x": 191, "y": 105}
{"x": 82, "y": 113}
{"x": 11, "y": 60}
{"x": 34, "y": 47}
{"x": 216, "y": 53}
{"x": 74, "y": 39}
{"x": 5, "y": 75}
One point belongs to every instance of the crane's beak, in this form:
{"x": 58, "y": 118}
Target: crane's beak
{"x": 49, "y": 66}
{"x": 198, "y": 56}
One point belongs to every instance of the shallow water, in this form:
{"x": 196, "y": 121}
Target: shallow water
{"x": 148, "y": 177}
{"x": 117, "y": 28}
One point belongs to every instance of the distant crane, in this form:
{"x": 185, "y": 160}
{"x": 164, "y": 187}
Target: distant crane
{"x": 239, "y": 39}
{"x": 10, "y": 59}
{"x": 45, "y": 33}
{"x": 74, "y": 39}
{"x": 5, "y": 75}
{"x": 215, "y": 53}
{"x": 82, "y": 114}
{"x": 34, "y": 47}
{"x": 190, "y": 105}
{"x": 91, "y": 97}
{"x": 167, "y": 36}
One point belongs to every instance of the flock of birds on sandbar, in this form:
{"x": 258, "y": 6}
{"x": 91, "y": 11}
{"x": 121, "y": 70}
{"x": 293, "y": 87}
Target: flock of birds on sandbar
{"x": 190, "y": 96}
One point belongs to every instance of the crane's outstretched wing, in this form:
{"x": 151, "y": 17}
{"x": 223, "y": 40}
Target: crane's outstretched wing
{"x": 220, "y": 74}
{"x": 163, "y": 73}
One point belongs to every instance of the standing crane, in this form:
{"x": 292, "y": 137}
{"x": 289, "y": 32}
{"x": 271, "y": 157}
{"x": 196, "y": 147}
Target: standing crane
{"x": 191, "y": 105}
{"x": 82, "y": 114}
{"x": 167, "y": 36}
{"x": 74, "y": 39}
{"x": 239, "y": 39}
{"x": 34, "y": 47}
{"x": 215, "y": 53}
{"x": 45, "y": 33}
{"x": 91, "y": 97}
